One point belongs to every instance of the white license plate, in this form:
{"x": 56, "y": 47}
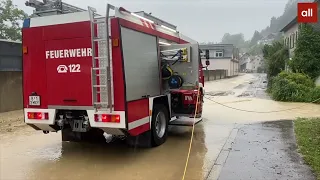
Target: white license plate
{"x": 34, "y": 100}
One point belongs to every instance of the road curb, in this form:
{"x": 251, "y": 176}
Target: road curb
{"x": 214, "y": 172}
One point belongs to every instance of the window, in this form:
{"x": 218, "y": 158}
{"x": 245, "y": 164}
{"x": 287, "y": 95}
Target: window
{"x": 293, "y": 42}
{"x": 219, "y": 54}
{"x": 296, "y": 35}
{"x": 290, "y": 42}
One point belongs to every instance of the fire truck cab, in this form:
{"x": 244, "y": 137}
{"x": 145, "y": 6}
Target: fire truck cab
{"x": 130, "y": 74}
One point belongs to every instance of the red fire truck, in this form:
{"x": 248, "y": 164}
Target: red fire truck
{"x": 129, "y": 74}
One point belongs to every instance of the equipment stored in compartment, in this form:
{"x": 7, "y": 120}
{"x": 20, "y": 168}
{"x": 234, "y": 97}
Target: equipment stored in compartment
{"x": 166, "y": 71}
{"x": 175, "y": 81}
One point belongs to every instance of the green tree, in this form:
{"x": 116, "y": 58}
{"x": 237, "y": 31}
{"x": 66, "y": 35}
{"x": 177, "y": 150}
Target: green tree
{"x": 235, "y": 39}
{"x": 307, "y": 53}
{"x": 10, "y": 19}
{"x": 275, "y": 56}
{"x": 256, "y": 49}
{"x": 255, "y": 38}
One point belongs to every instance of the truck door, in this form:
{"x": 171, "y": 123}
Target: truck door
{"x": 68, "y": 57}
{"x": 68, "y": 72}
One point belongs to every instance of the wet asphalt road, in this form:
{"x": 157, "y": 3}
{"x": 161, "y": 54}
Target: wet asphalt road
{"x": 26, "y": 154}
{"x": 265, "y": 151}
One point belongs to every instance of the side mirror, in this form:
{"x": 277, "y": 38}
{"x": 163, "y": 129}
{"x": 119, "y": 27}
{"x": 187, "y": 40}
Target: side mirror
{"x": 207, "y": 55}
{"x": 207, "y": 62}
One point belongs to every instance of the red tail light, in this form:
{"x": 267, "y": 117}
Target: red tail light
{"x": 38, "y": 115}
{"x": 107, "y": 118}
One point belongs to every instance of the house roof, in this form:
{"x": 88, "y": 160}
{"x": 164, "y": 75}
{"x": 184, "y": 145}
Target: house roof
{"x": 290, "y": 24}
{"x": 244, "y": 55}
{"x": 214, "y": 46}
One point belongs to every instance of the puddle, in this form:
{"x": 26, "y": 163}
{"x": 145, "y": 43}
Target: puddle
{"x": 220, "y": 93}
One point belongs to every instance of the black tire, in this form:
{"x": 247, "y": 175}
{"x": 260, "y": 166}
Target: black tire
{"x": 159, "y": 110}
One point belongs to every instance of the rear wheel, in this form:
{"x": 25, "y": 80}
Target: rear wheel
{"x": 159, "y": 124}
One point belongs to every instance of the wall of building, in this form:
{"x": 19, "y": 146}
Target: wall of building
{"x": 10, "y": 91}
{"x": 291, "y": 44}
{"x": 211, "y": 75}
{"x": 234, "y": 69}
{"x": 228, "y": 50}
{"x": 254, "y": 63}
{"x": 221, "y": 60}
{"x": 216, "y": 64}
{"x": 10, "y": 75}
{"x": 231, "y": 67}
{"x": 10, "y": 56}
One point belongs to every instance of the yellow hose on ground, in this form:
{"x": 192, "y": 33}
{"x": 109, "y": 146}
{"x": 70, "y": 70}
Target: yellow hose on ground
{"x": 190, "y": 145}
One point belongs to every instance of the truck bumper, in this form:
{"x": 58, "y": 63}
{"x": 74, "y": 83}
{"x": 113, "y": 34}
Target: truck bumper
{"x": 41, "y": 124}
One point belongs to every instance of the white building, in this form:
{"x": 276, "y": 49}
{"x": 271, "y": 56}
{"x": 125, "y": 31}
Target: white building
{"x": 254, "y": 63}
{"x": 222, "y": 57}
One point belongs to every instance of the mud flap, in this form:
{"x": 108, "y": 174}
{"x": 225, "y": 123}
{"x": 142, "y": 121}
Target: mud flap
{"x": 142, "y": 141}
{"x": 184, "y": 121}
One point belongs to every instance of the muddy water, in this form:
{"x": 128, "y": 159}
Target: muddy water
{"x": 26, "y": 154}
{"x": 265, "y": 110}
{"x": 40, "y": 156}
{"x": 247, "y": 93}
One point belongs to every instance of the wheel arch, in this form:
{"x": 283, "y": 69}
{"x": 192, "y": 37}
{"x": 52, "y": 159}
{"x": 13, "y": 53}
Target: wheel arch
{"x": 164, "y": 100}
{"x": 202, "y": 90}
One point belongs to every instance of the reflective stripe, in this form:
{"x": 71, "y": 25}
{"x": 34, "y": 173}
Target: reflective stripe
{"x": 138, "y": 123}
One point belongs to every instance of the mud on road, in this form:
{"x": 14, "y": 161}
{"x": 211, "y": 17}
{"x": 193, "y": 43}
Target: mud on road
{"x": 10, "y": 121}
{"x": 254, "y": 86}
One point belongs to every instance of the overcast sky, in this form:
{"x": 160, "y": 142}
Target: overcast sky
{"x": 202, "y": 20}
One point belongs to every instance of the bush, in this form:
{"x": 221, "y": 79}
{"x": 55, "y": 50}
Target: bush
{"x": 307, "y": 54}
{"x": 298, "y": 78}
{"x": 287, "y": 90}
{"x": 314, "y": 95}
{"x": 294, "y": 87}
{"x": 269, "y": 85}
{"x": 275, "y": 56}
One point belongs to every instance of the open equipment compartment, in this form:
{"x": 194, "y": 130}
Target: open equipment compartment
{"x": 182, "y": 61}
